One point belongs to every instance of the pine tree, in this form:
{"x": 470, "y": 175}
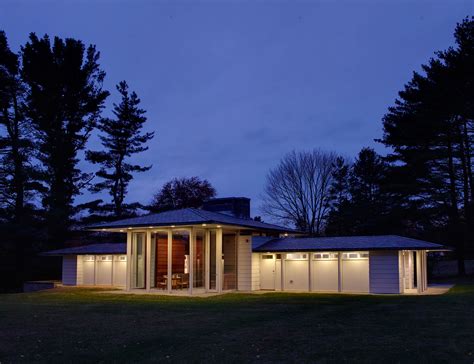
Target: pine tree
{"x": 16, "y": 170}
{"x": 339, "y": 219}
{"x": 121, "y": 138}
{"x": 64, "y": 102}
{"x": 431, "y": 132}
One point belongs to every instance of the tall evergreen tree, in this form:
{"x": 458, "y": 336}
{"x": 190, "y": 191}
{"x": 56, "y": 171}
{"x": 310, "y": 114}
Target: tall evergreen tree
{"x": 64, "y": 103}
{"x": 17, "y": 174}
{"x": 121, "y": 138}
{"x": 431, "y": 132}
{"x": 362, "y": 199}
{"x": 15, "y": 146}
{"x": 339, "y": 219}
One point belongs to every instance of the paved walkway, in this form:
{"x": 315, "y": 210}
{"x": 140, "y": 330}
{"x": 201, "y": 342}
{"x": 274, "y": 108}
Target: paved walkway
{"x": 435, "y": 289}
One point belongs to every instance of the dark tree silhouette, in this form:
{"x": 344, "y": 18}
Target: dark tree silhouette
{"x": 182, "y": 193}
{"x": 121, "y": 138}
{"x": 431, "y": 132}
{"x": 64, "y": 102}
{"x": 297, "y": 191}
{"x": 17, "y": 173}
{"x": 16, "y": 170}
{"x": 339, "y": 219}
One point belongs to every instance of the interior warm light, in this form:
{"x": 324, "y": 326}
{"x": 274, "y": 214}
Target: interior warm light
{"x": 204, "y": 224}
{"x": 121, "y": 230}
{"x": 219, "y": 226}
{"x": 173, "y": 225}
{"x": 129, "y": 228}
{"x": 103, "y": 229}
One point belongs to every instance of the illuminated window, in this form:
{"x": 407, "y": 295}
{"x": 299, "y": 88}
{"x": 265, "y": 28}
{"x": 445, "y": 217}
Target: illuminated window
{"x": 297, "y": 256}
{"x": 325, "y": 256}
{"x": 355, "y": 255}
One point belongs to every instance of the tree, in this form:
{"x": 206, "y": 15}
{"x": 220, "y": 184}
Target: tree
{"x": 370, "y": 206}
{"x": 362, "y": 201}
{"x": 431, "y": 132}
{"x": 297, "y": 191}
{"x": 339, "y": 219}
{"x": 121, "y": 138}
{"x": 64, "y": 102}
{"x": 182, "y": 193}
{"x": 16, "y": 171}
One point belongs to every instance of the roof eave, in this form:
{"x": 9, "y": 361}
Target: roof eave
{"x": 286, "y": 250}
{"x": 189, "y": 223}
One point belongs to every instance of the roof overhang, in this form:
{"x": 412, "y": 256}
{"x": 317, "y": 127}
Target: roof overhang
{"x": 259, "y": 250}
{"x": 195, "y": 225}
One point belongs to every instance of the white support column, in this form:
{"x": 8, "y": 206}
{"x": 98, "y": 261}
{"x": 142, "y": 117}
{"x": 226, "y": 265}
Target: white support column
{"x": 219, "y": 267}
{"x": 207, "y": 258}
{"x": 129, "y": 262}
{"x": 95, "y": 268}
{"x": 425, "y": 270}
{"x": 112, "y": 269}
{"x": 237, "y": 242}
{"x": 192, "y": 242}
{"x": 339, "y": 271}
{"x": 310, "y": 273}
{"x": 170, "y": 261}
{"x": 283, "y": 264}
{"x": 401, "y": 270}
{"x": 148, "y": 259}
{"x": 419, "y": 278}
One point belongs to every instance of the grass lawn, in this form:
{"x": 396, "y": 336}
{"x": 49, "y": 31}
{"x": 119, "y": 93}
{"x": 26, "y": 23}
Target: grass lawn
{"x": 82, "y": 325}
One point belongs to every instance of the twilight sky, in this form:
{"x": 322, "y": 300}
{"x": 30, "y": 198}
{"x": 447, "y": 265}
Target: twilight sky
{"x": 231, "y": 86}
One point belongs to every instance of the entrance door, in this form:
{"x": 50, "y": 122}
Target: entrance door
{"x": 138, "y": 260}
{"x": 267, "y": 272}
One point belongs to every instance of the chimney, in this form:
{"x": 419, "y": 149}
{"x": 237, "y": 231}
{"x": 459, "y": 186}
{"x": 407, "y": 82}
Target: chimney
{"x": 234, "y": 206}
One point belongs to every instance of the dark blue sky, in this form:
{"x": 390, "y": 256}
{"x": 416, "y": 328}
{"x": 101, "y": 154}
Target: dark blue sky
{"x": 231, "y": 86}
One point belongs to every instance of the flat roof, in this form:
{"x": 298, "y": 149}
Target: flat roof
{"x": 347, "y": 243}
{"x": 104, "y": 248}
{"x": 190, "y": 216}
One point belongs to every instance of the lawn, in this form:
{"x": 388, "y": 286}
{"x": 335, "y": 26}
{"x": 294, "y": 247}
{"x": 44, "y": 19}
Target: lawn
{"x": 85, "y": 325}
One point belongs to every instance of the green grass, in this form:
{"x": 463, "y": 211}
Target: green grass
{"x": 82, "y": 325}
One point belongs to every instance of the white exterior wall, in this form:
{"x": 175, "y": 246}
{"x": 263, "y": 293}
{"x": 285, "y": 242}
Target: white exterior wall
{"x": 255, "y": 271}
{"x": 244, "y": 263}
{"x": 384, "y": 272}
{"x": 296, "y": 275}
{"x": 69, "y": 272}
{"x": 80, "y": 270}
{"x": 325, "y": 275}
{"x": 76, "y": 271}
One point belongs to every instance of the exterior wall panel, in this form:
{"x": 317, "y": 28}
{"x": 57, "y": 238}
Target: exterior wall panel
{"x": 296, "y": 275}
{"x": 255, "y": 272}
{"x": 80, "y": 270}
{"x": 69, "y": 270}
{"x": 384, "y": 272}
{"x": 244, "y": 262}
{"x": 325, "y": 275}
{"x": 355, "y": 275}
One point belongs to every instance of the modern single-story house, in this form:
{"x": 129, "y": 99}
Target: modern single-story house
{"x": 220, "y": 248}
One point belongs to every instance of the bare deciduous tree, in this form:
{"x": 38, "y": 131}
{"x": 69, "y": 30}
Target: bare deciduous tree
{"x": 297, "y": 191}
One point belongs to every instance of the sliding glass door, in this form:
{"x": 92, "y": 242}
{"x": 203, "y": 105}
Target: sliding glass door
{"x": 138, "y": 260}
